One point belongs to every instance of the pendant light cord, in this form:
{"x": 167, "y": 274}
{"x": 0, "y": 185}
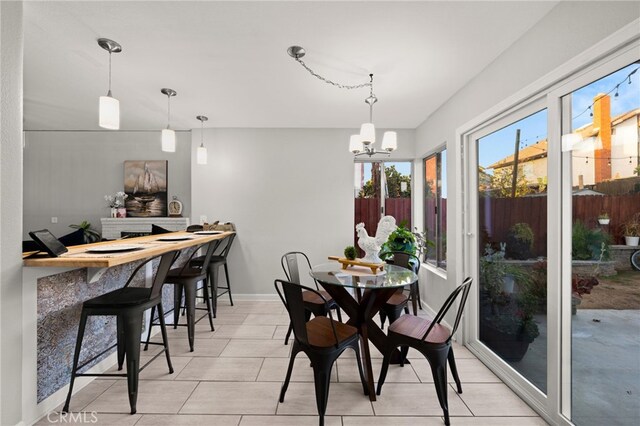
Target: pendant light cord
{"x": 109, "y": 92}
{"x": 371, "y": 96}
{"x": 201, "y": 133}
{"x": 168, "y": 111}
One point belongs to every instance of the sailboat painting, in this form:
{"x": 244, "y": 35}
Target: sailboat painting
{"x": 145, "y": 183}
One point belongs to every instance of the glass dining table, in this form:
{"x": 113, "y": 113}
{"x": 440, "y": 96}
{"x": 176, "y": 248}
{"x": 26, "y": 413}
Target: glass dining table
{"x": 368, "y": 294}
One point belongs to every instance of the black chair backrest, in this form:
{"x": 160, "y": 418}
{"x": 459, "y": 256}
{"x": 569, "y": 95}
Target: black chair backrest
{"x": 211, "y": 247}
{"x": 463, "y": 291}
{"x": 194, "y": 228}
{"x": 291, "y": 295}
{"x": 225, "y": 250}
{"x": 166, "y": 260}
{"x": 404, "y": 260}
{"x": 291, "y": 266}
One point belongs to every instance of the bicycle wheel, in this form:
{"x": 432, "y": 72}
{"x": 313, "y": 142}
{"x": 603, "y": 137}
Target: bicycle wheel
{"x": 635, "y": 260}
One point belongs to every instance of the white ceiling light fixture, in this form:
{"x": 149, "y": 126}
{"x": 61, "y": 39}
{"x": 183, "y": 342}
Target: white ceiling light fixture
{"x": 361, "y": 144}
{"x": 109, "y": 107}
{"x": 201, "y": 153}
{"x": 168, "y": 135}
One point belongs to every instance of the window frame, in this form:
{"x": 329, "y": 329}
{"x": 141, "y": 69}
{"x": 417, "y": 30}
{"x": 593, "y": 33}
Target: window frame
{"x": 440, "y": 252}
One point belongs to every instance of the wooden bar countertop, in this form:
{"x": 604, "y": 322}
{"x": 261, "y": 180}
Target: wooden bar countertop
{"x": 74, "y": 258}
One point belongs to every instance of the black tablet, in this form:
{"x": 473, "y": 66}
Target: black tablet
{"x": 48, "y": 242}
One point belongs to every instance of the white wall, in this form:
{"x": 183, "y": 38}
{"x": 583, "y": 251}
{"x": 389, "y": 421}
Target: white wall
{"x": 11, "y": 41}
{"x": 285, "y": 189}
{"x": 67, "y": 174}
{"x": 569, "y": 29}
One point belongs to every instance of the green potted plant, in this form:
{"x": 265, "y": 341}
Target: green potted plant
{"x": 350, "y": 252}
{"x": 631, "y": 230}
{"x": 90, "y": 235}
{"x": 520, "y": 241}
{"x": 401, "y": 239}
{"x": 507, "y": 324}
{"x": 603, "y": 218}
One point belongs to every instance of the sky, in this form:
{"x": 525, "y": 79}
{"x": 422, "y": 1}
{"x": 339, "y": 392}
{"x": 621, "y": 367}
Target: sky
{"x": 501, "y": 143}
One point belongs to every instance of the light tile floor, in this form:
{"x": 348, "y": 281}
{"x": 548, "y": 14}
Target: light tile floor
{"x": 234, "y": 376}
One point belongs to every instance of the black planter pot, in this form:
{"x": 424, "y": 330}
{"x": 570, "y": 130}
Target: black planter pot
{"x": 510, "y": 347}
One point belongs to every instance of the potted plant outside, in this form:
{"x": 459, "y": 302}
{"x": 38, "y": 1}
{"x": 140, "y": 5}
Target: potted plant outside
{"x": 603, "y": 218}
{"x": 631, "y": 230}
{"x": 401, "y": 239}
{"x": 507, "y": 324}
{"x": 519, "y": 242}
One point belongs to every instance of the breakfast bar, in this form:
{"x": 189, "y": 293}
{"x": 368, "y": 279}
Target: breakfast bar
{"x": 54, "y": 289}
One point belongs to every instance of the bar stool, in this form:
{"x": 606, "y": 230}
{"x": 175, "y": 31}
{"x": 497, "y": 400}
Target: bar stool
{"x": 216, "y": 261}
{"x": 185, "y": 281}
{"x": 128, "y": 305}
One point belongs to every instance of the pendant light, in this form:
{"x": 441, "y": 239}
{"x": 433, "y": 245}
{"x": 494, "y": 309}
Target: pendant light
{"x": 201, "y": 153}
{"x": 109, "y": 107}
{"x": 168, "y": 135}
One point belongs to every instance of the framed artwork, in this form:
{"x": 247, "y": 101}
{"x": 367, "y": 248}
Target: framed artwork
{"x": 145, "y": 183}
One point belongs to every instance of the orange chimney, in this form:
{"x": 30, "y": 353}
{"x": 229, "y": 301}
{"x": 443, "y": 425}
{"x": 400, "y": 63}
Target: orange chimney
{"x": 602, "y": 121}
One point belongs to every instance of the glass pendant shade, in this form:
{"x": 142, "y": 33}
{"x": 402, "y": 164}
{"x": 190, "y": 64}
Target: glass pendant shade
{"x": 109, "y": 113}
{"x": 355, "y": 144}
{"x": 368, "y": 133}
{"x": 201, "y": 155}
{"x": 390, "y": 141}
{"x": 168, "y": 140}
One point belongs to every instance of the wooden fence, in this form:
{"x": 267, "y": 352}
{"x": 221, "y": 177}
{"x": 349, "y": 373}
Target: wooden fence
{"x": 497, "y": 215}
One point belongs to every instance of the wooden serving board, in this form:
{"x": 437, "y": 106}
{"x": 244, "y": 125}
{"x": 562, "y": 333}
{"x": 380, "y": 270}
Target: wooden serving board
{"x": 357, "y": 262}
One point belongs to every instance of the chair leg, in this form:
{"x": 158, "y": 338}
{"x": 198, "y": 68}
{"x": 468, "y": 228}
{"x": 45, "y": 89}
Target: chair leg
{"x": 205, "y": 293}
{"x": 454, "y": 369}
{"x": 404, "y": 350}
{"x": 285, "y": 385}
{"x": 163, "y": 329}
{"x": 383, "y": 370}
{"x": 132, "y": 331}
{"x": 212, "y": 291}
{"x": 417, "y": 284}
{"x": 146, "y": 344}
{"x": 338, "y": 313}
{"x": 213, "y": 274}
{"x": 190, "y": 302}
{"x": 177, "y": 304}
{"x": 76, "y": 358}
{"x": 120, "y": 340}
{"x": 321, "y": 378}
{"x": 226, "y": 275}
{"x": 438, "y": 362}
{"x": 286, "y": 338}
{"x": 414, "y": 297}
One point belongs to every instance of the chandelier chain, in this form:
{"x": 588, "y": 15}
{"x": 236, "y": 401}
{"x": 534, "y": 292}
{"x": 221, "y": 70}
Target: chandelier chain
{"x": 333, "y": 83}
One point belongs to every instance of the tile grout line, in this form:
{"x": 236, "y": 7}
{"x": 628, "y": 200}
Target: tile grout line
{"x": 187, "y": 399}
{"x": 463, "y": 401}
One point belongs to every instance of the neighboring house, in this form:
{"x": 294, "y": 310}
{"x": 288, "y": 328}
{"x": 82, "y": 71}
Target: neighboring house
{"x": 609, "y": 149}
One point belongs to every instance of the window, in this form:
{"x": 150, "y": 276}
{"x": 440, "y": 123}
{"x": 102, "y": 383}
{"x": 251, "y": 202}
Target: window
{"x": 435, "y": 208}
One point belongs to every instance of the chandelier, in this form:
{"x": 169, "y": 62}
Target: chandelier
{"x": 362, "y": 143}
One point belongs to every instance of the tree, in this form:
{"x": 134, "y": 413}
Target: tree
{"x": 394, "y": 184}
{"x": 501, "y": 183}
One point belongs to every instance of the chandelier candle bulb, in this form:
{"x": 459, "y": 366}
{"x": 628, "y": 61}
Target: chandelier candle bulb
{"x": 368, "y": 133}
{"x": 390, "y": 141}
{"x": 355, "y": 144}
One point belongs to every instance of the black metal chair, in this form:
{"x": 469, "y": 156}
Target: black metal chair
{"x": 194, "y": 228}
{"x": 185, "y": 281}
{"x": 217, "y": 260}
{"x": 322, "y": 339}
{"x": 432, "y": 340}
{"x": 393, "y": 308}
{"x": 128, "y": 305}
{"x": 312, "y": 303}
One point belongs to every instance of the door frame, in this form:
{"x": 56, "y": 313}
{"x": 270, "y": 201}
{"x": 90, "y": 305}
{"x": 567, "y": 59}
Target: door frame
{"x": 553, "y": 406}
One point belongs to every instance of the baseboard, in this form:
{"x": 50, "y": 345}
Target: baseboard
{"x": 256, "y": 297}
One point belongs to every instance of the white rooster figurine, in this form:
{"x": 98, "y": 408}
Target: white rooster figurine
{"x": 372, "y": 245}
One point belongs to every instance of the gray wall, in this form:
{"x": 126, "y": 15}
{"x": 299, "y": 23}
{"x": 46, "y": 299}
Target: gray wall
{"x": 569, "y": 29}
{"x": 285, "y": 189}
{"x": 11, "y": 42}
{"x": 67, "y": 174}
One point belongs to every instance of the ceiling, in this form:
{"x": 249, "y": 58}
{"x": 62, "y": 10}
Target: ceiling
{"x": 228, "y": 60}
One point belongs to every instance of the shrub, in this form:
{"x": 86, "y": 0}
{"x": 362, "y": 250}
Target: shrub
{"x": 519, "y": 241}
{"x": 587, "y": 244}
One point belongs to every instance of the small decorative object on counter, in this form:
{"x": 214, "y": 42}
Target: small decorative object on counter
{"x": 116, "y": 202}
{"x": 372, "y": 245}
{"x": 175, "y": 207}
{"x": 350, "y": 252}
